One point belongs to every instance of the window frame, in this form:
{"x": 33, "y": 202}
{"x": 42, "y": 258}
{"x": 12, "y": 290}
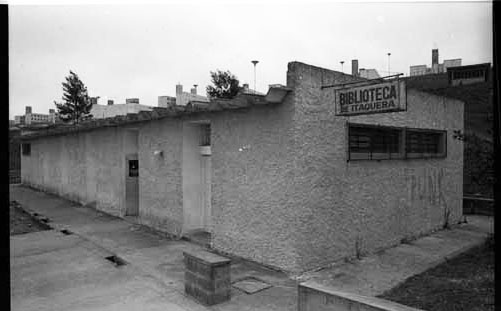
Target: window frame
{"x": 443, "y": 143}
{"x": 403, "y": 153}
{"x": 391, "y": 155}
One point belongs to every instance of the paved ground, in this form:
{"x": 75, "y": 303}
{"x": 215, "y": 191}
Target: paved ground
{"x": 373, "y": 275}
{"x": 54, "y": 271}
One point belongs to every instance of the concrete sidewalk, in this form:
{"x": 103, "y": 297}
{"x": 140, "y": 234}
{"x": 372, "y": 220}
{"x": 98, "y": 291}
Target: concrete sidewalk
{"x": 377, "y": 273}
{"x": 72, "y": 271}
{"x": 54, "y": 271}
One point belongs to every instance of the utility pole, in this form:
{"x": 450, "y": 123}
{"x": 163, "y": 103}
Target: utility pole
{"x": 389, "y": 63}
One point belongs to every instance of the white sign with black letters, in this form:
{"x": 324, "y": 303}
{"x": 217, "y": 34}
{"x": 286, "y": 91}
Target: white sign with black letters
{"x": 383, "y": 97}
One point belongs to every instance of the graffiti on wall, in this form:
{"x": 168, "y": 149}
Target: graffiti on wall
{"x": 426, "y": 186}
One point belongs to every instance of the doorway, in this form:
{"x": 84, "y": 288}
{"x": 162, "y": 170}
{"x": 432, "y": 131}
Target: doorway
{"x": 196, "y": 171}
{"x": 132, "y": 185}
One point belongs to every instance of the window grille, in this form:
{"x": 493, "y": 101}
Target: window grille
{"x": 370, "y": 142}
{"x": 424, "y": 143}
{"x": 374, "y": 143}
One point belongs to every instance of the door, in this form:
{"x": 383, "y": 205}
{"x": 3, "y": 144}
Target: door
{"x": 205, "y": 191}
{"x": 132, "y": 185}
{"x": 196, "y": 176}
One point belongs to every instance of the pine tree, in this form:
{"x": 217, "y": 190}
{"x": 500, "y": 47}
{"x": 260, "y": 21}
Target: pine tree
{"x": 225, "y": 85}
{"x": 77, "y": 105}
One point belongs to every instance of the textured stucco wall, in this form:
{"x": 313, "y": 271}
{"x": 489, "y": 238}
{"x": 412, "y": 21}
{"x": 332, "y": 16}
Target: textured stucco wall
{"x": 85, "y": 167}
{"x": 367, "y": 204}
{"x": 252, "y": 165}
{"x": 160, "y": 183}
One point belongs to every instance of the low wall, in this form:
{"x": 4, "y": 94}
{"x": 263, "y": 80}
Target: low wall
{"x": 316, "y": 297}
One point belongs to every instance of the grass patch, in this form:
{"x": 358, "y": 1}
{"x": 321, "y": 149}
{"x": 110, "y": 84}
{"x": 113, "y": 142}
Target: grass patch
{"x": 465, "y": 282}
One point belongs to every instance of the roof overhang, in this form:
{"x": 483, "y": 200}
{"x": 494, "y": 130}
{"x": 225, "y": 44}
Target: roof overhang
{"x": 276, "y": 93}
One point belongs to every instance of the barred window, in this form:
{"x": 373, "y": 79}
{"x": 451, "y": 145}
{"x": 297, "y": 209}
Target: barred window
{"x": 371, "y": 142}
{"x": 374, "y": 143}
{"x": 424, "y": 143}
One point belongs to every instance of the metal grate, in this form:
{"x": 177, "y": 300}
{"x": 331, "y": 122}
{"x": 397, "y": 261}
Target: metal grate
{"x": 374, "y": 143}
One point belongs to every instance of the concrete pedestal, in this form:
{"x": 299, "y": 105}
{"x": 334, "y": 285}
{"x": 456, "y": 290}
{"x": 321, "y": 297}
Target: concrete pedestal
{"x": 207, "y": 277}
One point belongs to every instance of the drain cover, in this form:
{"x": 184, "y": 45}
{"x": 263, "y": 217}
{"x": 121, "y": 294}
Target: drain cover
{"x": 66, "y": 232}
{"x": 251, "y": 285}
{"x": 116, "y": 260}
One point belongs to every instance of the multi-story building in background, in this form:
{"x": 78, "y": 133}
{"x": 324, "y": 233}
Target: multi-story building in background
{"x": 30, "y": 118}
{"x": 166, "y": 101}
{"x": 111, "y": 110}
{"x": 436, "y": 67}
{"x": 182, "y": 98}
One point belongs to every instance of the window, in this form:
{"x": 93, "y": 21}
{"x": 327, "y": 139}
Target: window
{"x": 27, "y": 149}
{"x": 205, "y": 135}
{"x": 370, "y": 142}
{"x": 424, "y": 143}
{"x": 133, "y": 168}
{"x": 374, "y": 143}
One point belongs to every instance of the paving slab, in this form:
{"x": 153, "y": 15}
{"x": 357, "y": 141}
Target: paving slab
{"x": 251, "y": 285}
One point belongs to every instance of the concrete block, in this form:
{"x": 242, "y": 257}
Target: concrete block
{"x": 207, "y": 277}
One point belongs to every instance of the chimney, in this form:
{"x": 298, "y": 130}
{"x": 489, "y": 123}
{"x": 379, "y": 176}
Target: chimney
{"x": 193, "y": 91}
{"x": 434, "y": 57}
{"x": 179, "y": 89}
{"x": 354, "y": 67}
{"x": 52, "y": 111}
{"x": 110, "y": 102}
{"x": 246, "y": 87}
{"x": 93, "y": 101}
{"x": 28, "y": 109}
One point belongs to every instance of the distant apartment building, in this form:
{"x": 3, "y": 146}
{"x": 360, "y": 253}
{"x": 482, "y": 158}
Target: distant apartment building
{"x": 436, "y": 67}
{"x": 463, "y": 75}
{"x": 166, "y": 101}
{"x": 110, "y": 110}
{"x": 30, "y": 118}
{"x": 363, "y": 73}
{"x": 182, "y": 98}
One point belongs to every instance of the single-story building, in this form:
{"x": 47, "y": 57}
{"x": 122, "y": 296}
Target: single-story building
{"x": 329, "y": 166}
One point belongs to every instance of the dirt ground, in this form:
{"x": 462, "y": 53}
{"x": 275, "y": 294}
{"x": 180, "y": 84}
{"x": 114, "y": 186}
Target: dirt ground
{"x": 22, "y": 222}
{"x": 465, "y": 282}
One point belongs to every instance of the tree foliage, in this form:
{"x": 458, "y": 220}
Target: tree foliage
{"x": 76, "y": 104}
{"x": 225, "y": 85}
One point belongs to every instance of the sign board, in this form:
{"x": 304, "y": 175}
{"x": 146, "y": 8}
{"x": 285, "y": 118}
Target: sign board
{"x": 382, "y": 97}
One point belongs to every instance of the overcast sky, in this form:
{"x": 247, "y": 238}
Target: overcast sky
{"x": 122, "y": 51}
